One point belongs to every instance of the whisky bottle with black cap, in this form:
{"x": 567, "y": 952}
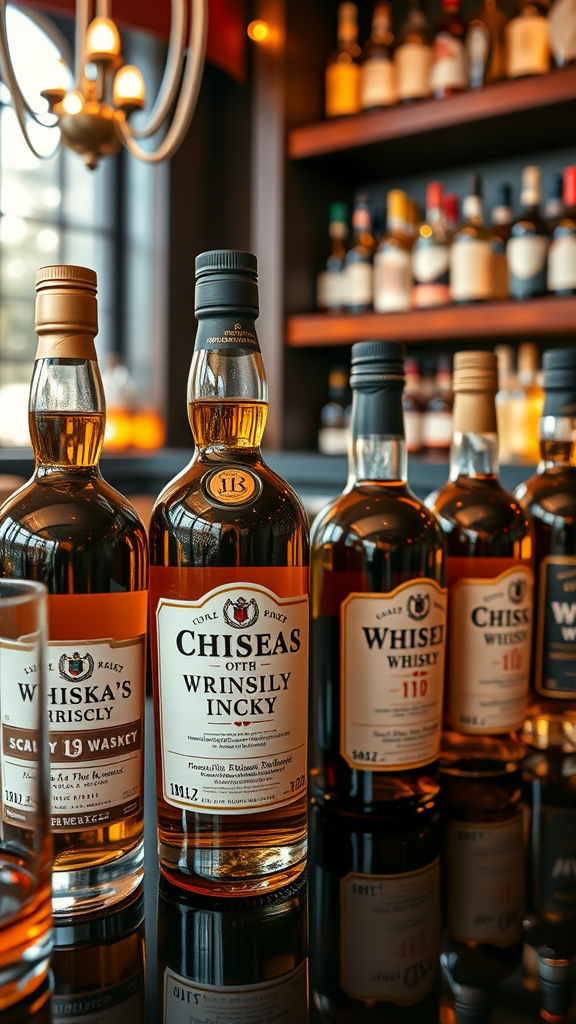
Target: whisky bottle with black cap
{"x": 229, "y": 608}
{"x": 378, "y": 612}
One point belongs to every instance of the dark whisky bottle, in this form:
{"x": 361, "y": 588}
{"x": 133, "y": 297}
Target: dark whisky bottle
{"x": 229, "y": 593}
{"x": 549, "y": 497}
{"x": 378, "y": 611}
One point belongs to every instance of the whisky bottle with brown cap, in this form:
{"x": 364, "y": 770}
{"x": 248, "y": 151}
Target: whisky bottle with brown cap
{"x": 69, "y": 529}
{"x": 490, "y": 579}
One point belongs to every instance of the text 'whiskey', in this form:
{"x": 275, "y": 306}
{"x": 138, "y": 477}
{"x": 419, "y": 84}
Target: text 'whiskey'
{"x": 490, "y": 579}
{"x": 69, "y": 529}
{"x": 378, "y": 611}
{"x": 229, "y": 619}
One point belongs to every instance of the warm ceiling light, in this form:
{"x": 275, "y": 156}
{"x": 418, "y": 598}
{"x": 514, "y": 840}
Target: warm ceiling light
{"x": 128, "y": 89}
{"x": 72, "y": 103}
{"x": 102, "y": 42}
{"x": 56, "y": 91}
{"x": 258, "y": 31}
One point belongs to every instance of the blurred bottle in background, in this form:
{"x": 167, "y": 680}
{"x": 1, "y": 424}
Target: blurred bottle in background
{"x": 449, "y": 72}
{"x": 343, "y": 69}
{"x": 562, "y": 251}
{"x": 377, "y": 71}
{"x": 526, "y": 40}
{"x": 554, "y": 205}
{"x": 501, "y": 230}
{"x": 471, "y": 251}
{"x": 413, "y": 405}
{"x": 392, "y": 261}
{"x": 526, "y": 402}
{"x": 413, "y": 56}
{"x": 450, "y": 209}
{"x": 358, "y": 285}
{"x": 335, "y": 415}
{"x": 485, "y": 44}
{"x": 119, "y": 391}
{"x": 431, "y": 254}
{"x": 437, "y": 421}
{"x": 330, "y": 284}
{"x": 527, "y": 247}
{"x": 506, "y": 386}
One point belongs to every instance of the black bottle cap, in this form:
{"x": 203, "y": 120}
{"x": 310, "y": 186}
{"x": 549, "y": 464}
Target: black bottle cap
{"x": 560, "y": 382}
{"x": 226, "y": 283}
{"x": 504, "y": 194}
{"x": 474, "y": 185}
{"x": 377, "y": 379}
{"x": 555, "y": 185}
{"x": 377, "y": 363}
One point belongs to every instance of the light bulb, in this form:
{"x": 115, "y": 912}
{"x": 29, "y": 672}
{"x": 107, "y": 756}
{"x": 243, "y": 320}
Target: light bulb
{"x": 258, "y": 31}
{"x": 72, "y": 103}
{"x": 60, "y": 80}
{"x": 128, "y": 89}
{"x": 102, "y": 41}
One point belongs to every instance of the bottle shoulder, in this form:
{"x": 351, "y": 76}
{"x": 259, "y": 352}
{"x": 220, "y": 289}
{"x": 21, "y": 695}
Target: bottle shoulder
{"x": 479, "y": 506}
{"x": 550, "y": 493}
{"x": 375, "y": 513}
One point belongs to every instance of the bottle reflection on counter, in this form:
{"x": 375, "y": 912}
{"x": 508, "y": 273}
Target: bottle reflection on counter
{"x": 241, "y": 960}
{"x": 374, "y": 917}
{"x": 550, "y": 925}
{"x": 98, "y": 968}
{"x": 483, "y": 888}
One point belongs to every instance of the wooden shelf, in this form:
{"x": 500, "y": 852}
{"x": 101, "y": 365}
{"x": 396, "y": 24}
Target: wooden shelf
{"x": 541, "y": 107}
{"x": 539, "y": 317}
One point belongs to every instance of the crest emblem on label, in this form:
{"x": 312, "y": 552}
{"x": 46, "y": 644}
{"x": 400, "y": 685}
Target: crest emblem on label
{"x": 240, "y": 613}
{"x": 76, "y": 668}
{"x": 418, "y": 606}
{"x": 232, "y": 485}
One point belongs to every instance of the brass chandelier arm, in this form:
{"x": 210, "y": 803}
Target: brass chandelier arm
{"x": 172, "y": 73}
{"x": 188, "y": 92}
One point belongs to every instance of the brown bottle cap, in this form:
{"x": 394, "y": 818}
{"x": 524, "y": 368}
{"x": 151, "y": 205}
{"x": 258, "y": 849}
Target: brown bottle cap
{"x": 66, "y": 312}
{"x": 475, "y": 372}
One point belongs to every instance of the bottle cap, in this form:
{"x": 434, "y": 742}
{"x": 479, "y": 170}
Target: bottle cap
{"x": 530, "y": 195}
{"x": 560, "y": 372}
{"x": 66, "y": 312}
{"x": 434, "y": 195}
{"x": 396, "y": 204}
{"x": 528, "y": 359}
{"x": 338, "y": 213}
{"x": 569, "y": 189}
{"x": 475, "y": 372}
{"x": 555, "y": 186}
{"x": 474, "y": 185}
{"x": 504, "y": 194}
{"x": 226, "y": 283}
{"x": 451, "y": 207}
{"x": 377, "y": 362}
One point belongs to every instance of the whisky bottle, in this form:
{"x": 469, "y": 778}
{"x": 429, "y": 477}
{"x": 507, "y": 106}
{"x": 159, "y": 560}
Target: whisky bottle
{"x": 330, "y": 293}
{"x": 377, "y": 71}
{"x": 525, "y": 406}
{"x": 490, "y": 580}
{"x": 69, "y": 529}
{"x": 527, "y": 248}
{"x": 526, "y": 41}
{"x": 413, "y": 56}
{"x": 549, "y": 498}
{"x": 437, "y": 418}
{"x": 358, "y": 271}
{"x": 343, "y": 70}
{"x": 375, "y": 916}
{"x": 98, "y": 968}
{"x": 392, "y": 260}
{"x": 233, "y": 960}
{"x": 501, "y": 230}
{"x": 562, "y": 251}
{"x": 378, "y": 612}
{"x": 334, "y": 430}
{"x": 229, "y": 586}
{"x": 449, "y": 72}
{"x": 554, "y": 206}
{"x": 431, "y": 254}
{"x": 471, "y": 251}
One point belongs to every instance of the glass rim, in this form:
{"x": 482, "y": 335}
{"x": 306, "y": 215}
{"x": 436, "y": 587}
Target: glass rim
{"x": 23, "y": 591}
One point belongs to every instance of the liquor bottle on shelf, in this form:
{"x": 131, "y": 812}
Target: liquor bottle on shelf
{"x": 449, "y": 73}
{"x": 554, "y": 205}
{"x": 229, "y": 584}
{"x": 562, "y": 251}
{"x": 330, "y": 293}
{"x": 413, "y": 56}
{"x": 343, "y": 69}
{"x": 69, "y": 529}
{"x": 506, "y": 386}
{"x": 527, "y": 46}
{"x": 525, "y": 407}
{"x": 358, "y": 270}
{"x": 471, "y": 251}
{"x": 413, "y": 405}
{"x": 378, "y": 612}
{"x": 451, "y": 213}
{"x": 483, "y": 869}
{"x": 485, "y": 45}
{"x": 98, "y": 968}
{"x": 490, "y": 580}
{"x": 375, "y": 916}
{"x": 233, "y": 960}
{"x": 377, "y": 71}
{"x": 501, "y": 230}
{"x": 549, "y": 498}
{"x": 527, "y": 247}
{"x": 392, "y": 260}
{"x": 562, "y": 32}
{"x": 431, "y": 254}
{"x": 334, "y": 430}
{"x": 437, "y": 419}
{"x": 413, "y": 219}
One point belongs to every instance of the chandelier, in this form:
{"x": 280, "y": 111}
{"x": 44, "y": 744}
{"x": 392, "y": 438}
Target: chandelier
{"x": 93, "y": 116}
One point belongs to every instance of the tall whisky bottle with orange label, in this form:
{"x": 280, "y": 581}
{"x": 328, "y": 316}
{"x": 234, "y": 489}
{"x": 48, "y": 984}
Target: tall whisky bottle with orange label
{"x": 70, "y": 530}
{"x": 378, "y": 612}
{"x": 229, "y": 609}
{"x": 549, "y": 497}
{"x": 490, "y": 579}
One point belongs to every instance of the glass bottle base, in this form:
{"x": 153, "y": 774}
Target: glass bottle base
{"x": 85, "y": 890}
{"x": 551, "y": 723}
{"x": 232, "y": 872}
{"x": 475, "y": 752}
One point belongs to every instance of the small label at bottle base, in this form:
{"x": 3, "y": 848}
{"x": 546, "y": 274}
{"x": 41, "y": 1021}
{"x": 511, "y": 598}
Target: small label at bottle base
{"x": 279, "y": 999}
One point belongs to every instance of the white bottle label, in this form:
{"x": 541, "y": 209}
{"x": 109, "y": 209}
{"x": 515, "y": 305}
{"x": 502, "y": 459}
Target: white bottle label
{"x": 471, "y": 270}
{"x": 95, "y": 708}
{"x": 413, "y": 430}
{"x": 562, "y": 264}
{"x": 562, "y": 30}
{"x": 437, "y": 429}
{"x": 390, "y": 935}
{"x": 430, "y": 262}
{"x": 330, "y": 290}
{"x": 377, "y": 83}
{"x": 527, "y": 46}
{"x": 233, "y": 682}
{"x": 392, "y": 280}
{"x": 449, "y": 70}
{"x": 280, "y": 999}
{"x": 413, "y": 62}
{"x": 392, "y": 674}
{"x": 358, "y": 285}
{"x": 486, "y": 881}
{"x": 20, "y": 715}
{"x": 490, "y": 639}
{"x": 527, "y": 255}
{"x": 333, "y": 440}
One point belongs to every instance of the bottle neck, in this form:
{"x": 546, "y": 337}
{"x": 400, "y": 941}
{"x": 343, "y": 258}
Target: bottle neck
{"x": 378, "y": 448}
{"x": 557, "y": 440}
{"x": 474, "y": 449}
{"x": 67, "y": 412}
{"x": 227, "y": 390}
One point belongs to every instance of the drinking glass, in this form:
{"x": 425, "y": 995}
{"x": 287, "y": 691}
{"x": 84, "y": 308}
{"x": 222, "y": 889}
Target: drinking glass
{"x": 25, "y": 841}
